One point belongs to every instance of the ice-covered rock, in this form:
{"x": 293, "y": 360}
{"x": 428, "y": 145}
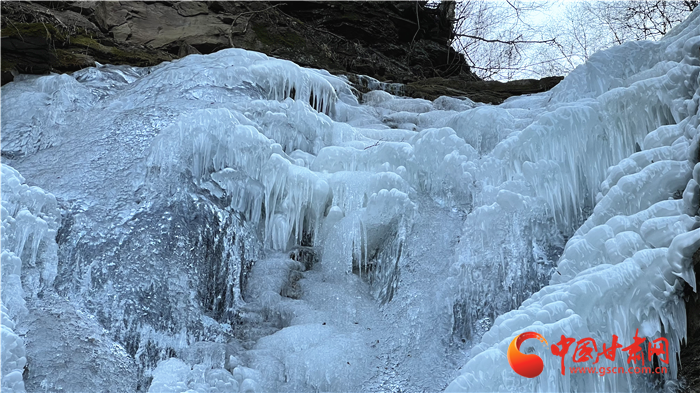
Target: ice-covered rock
{"x": 624, "y": 269}
{"x": 30, "y": 220}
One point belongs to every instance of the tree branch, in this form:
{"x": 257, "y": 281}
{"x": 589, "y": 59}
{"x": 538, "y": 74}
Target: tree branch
{"x": 508, "y": 42}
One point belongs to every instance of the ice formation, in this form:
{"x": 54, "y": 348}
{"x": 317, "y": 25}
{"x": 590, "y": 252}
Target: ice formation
{"x": 625, "y": 267}
{"x": 234, "y": 222}
{"x": 30, "y": 219}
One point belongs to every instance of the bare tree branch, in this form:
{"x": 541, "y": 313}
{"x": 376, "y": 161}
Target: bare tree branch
{"x": 508, "y": 42}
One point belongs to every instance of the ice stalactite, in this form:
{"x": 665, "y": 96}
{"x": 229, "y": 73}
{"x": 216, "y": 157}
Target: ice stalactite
{"x": 30, "y": 220}
{"x": 625, "y": 267}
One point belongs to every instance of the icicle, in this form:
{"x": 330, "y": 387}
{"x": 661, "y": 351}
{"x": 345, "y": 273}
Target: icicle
{"x": 32, "y": 214}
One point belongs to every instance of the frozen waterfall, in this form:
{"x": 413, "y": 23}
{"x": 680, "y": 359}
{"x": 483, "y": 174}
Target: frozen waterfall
{"x": 234, "y": 222}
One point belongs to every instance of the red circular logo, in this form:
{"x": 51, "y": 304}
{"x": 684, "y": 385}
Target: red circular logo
{"x": 529, "y": 365}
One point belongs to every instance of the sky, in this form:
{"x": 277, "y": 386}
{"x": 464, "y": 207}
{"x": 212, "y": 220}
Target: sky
{"x": 576, "y": 32}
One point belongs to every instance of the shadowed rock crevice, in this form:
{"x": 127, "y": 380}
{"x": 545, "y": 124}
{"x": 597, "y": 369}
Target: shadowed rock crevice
{"x": 689, "y": 372}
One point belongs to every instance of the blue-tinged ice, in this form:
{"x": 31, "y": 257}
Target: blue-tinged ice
{"x": 624, "y": 269}
{"x": 235, "y": 222}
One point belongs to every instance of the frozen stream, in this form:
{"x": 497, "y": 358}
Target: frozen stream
{"x": 386, "y": 348}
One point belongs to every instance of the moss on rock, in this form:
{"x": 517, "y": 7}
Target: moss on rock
{"x": 274, "y": 39}
{"x": 39, "y": 30}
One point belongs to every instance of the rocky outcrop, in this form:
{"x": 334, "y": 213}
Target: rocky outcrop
{"x": 38, "y": 38}
{"x": 689, "y": 372}
{"x": 492, "y": 92}
{"x": 394, "y": 42}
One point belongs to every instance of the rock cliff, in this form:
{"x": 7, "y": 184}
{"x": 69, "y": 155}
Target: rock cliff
{"x": 396, "y": 42}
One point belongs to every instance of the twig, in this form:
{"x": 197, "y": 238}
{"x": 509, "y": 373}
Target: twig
{"x": 418, "y": 29}
{"x": 18, "y": 32}
{"x": 374, "y": 145}
{"x": 513, "y": 42}
{"x": 245, "y": 29}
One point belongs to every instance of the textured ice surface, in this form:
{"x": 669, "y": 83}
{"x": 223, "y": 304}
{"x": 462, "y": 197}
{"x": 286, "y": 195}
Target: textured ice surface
{"x": 29, "y": 223}
{"x": 233, "y": 222}
{"x": 625, "y": 267}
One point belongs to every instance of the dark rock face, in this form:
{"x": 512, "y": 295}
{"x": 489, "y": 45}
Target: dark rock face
{"x": 396, "y": 42}
{"x": 492, "y": 92}
{"x": 62, "y": 37}
{"x": 391, "y": 41}
{"x": 689, "y": 372}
